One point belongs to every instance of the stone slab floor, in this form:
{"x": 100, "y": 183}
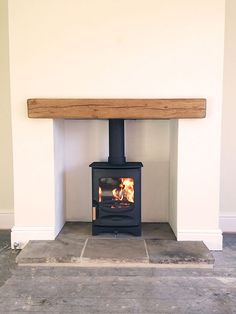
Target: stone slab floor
{"x": 157, "y": 246}
{"x": 118, "y": 290}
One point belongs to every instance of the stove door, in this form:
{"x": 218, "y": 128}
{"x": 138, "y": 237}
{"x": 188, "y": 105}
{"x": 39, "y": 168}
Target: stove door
{"x": 116, "y": 197}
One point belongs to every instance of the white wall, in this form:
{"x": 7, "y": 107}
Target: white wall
{"x": 6, "y": 172}
{"x": 228, "y": 159}
{"x": 85, "y": 142}
{"x": 146, "y": 141}
{"x": 113, "y": 49}
{"x": 59, "y": 173}
{"x": 173, "y": 176}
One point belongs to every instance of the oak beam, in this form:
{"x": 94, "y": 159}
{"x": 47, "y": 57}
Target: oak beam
{"x": 116, "y": 108}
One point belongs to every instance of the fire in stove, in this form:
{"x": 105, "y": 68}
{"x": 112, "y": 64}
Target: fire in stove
{"x": 116, "y": 192}
{"x": 125, "y": 191}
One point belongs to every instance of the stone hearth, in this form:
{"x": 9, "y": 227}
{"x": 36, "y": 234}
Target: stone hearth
{"x": 156, "y": 248}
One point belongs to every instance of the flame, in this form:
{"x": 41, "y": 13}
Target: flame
{"x": 100, "y": 194}
{"x": 125, "y": 190}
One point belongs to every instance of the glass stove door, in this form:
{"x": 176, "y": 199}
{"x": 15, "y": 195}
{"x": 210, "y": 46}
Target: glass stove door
{"x": 116, "y": 192}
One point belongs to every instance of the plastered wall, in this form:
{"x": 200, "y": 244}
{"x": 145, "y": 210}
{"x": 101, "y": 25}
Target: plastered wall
{"x": 228, "y": 149}
{"x": 6, "y": 171}
{"x": 115, "y": 49}
{"x": 146, "y": 141}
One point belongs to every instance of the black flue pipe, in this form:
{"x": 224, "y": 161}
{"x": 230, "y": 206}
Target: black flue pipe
{"x": 116, "y": 142}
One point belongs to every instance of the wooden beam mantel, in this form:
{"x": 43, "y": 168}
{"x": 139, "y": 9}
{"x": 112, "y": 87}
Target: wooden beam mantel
{"x": 116, "y": 108}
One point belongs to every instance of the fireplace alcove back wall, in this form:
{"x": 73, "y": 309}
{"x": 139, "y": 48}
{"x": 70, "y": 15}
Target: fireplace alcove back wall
{"x": 86, "y": 141}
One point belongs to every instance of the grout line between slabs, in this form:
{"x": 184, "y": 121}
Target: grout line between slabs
{"x": 145, "y": 245}
{"x": 83, "y": 249}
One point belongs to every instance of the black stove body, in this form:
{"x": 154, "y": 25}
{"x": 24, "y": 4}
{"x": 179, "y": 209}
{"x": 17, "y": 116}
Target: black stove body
{"x": 116, "y": 188}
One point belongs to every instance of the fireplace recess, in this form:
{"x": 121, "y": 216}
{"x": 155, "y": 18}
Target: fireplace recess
{"x": 116, "y": 188}
{"x": 114, "y": 181}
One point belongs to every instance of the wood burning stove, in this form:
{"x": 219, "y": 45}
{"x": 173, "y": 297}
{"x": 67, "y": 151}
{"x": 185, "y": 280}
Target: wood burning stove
{"x": 116, "y": 188}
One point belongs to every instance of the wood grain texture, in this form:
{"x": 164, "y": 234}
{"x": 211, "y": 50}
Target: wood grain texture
{"x": 116, "y": 108}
